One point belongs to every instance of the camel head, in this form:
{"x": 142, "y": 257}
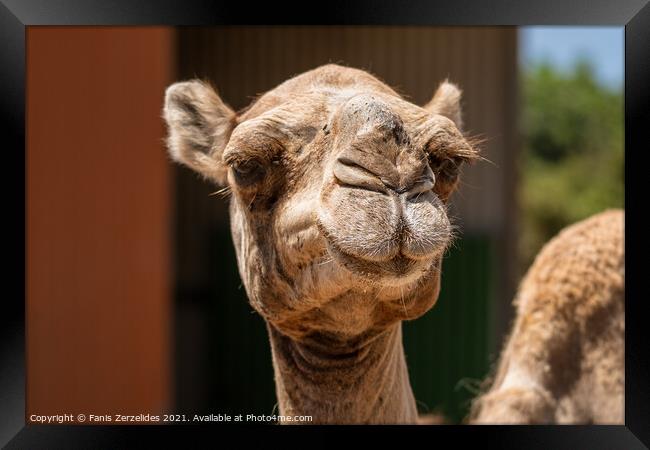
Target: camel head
{"x": 339, "y": 190}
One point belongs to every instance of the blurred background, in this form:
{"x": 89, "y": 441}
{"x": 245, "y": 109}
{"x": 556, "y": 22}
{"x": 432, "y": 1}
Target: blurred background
{"x": 134, "y": 302}
{"x": 572, "y": 160}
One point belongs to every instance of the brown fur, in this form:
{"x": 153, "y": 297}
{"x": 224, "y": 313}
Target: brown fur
{"x": 338, "y": 217}
{"x": 564, "y": 360}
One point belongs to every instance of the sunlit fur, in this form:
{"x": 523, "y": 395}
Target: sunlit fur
{"x": 338, "y": 216}
{"x": 564, "y": 361}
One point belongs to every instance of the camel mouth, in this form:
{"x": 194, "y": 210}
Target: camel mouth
{"x": 383, "y": 236}
{"x": 399, "y": 270}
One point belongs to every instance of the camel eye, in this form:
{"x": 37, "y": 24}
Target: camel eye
{"x": 247, "y": 173}
{"x": 447, "y": 168}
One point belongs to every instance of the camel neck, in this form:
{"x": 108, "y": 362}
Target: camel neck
{"x": 362, "y": 380}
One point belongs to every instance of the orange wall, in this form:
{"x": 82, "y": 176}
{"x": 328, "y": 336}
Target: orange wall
{"x": 98, "y": 221}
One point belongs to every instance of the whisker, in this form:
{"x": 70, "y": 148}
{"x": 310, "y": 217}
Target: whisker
{"x": 223, "y": 192}
{"x": 250, "y": 205}
{"x": 401, "y": 296}
{"x": 379, "y": 292}
{"x": 326, "y": 261}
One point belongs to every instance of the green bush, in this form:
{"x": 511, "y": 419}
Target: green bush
{"x": 572, "y": 164}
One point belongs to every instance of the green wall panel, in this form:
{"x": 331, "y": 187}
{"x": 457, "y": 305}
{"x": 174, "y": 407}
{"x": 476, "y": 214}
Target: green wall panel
{"x": 446, "y": 349}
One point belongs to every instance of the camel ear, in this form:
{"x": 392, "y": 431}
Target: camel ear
{"x": 446, "y": 102}
{"x": 199, "y": 126}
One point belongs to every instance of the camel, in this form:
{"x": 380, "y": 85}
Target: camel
{"x": 338, "y": 208}
{"x": 564, "y": 359}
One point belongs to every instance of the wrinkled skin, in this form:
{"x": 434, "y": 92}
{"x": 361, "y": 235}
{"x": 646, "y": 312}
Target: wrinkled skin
{"x": 338, "y": 216}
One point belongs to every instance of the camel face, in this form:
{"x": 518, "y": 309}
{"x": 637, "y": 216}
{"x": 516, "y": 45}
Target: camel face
{"x": 339, "y": 191}
{"x": 377, "y": 211}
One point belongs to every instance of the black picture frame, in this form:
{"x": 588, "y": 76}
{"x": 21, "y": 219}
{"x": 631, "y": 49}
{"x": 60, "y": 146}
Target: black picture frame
{"x": 16, "y": 15}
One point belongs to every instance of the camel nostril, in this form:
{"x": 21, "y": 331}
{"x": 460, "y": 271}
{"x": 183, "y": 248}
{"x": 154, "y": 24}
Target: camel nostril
{"x": 422, "y": 184}
{"x": 351, "y": 174}
{"x": 420, "y": 188}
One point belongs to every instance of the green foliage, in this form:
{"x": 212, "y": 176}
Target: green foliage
{"x": 573, "y": 161}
